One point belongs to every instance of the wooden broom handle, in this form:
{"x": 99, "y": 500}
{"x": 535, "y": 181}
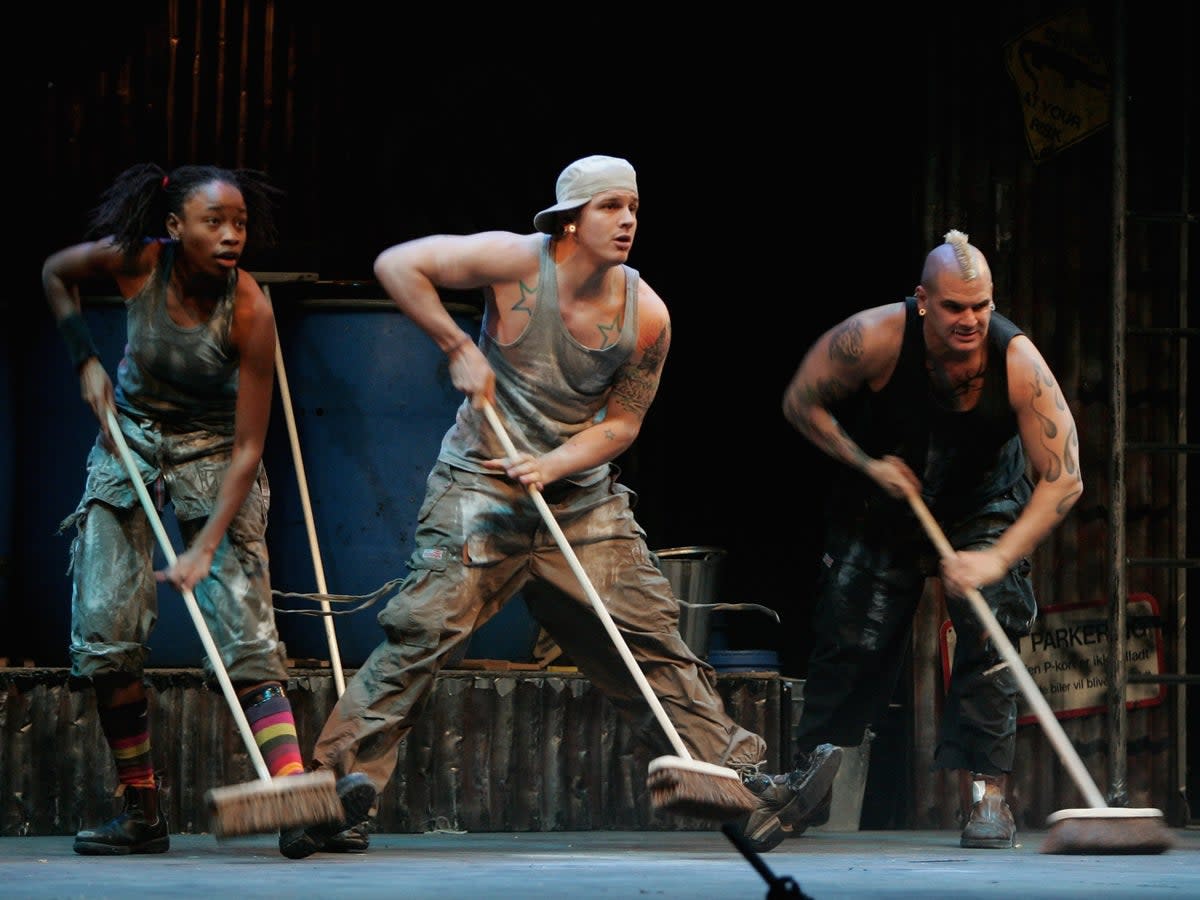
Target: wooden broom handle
{"x": 214, "y": 655}
{"x": 1054, "y": 731}
{"x": 335, "y": 658}
{"x": 586, "y": 583}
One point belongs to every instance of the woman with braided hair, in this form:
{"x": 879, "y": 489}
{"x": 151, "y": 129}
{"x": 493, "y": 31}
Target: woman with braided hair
{"x": 193, "y": 399}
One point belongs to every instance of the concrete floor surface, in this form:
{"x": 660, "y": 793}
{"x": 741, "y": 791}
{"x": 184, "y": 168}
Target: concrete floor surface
{"x": 585, "y": 864}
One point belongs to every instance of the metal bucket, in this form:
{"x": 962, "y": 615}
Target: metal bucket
{"x": 695, "y": 577}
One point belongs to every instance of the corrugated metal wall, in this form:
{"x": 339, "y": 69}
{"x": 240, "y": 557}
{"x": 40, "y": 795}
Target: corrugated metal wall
{"x": 521, "y": 751}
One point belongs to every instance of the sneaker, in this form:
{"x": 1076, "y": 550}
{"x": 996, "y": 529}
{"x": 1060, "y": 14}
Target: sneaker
{"x": 790, "y": 802}
{"x": 130, "y": 832}
{"x": 357, "y": 793}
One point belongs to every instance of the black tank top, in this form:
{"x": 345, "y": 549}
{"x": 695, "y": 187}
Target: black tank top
{"x": 962, "y": 458}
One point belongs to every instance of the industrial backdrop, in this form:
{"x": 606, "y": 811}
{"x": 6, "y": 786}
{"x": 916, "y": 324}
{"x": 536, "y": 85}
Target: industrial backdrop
{"x": 788, "y": 177}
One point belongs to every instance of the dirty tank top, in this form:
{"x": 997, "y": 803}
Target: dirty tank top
{"x": 549, "y": 386}
{"x": 184, "y": 377}
{"x": 962, "y": 458}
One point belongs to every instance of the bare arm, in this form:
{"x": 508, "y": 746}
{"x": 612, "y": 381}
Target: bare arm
{"x": 859, "y": 351}
{"x": 412, "y": 272}
{"x": 1051, "y": 442}
{"x": 62, "y": 274}
{"x": 254, "y": 336}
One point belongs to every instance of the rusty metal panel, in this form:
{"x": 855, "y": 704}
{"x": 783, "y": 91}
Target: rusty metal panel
{"x": 522, "y": 751}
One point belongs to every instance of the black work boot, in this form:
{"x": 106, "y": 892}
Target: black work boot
{"x": 990, "y": 825}
{"x": 789, "y": 803}
{"x": 140, "y": 828}
{"x": 357, "y": 793}
{"x": 351, "y": 840}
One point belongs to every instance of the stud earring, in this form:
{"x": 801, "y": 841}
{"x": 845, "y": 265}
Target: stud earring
{"x": 571, "y": 228}
{"x": 992, "y": 306}
{"x": 921, "y": 311}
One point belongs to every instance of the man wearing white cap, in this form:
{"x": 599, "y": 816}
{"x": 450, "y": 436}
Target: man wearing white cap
{"x": 570, "y": 353}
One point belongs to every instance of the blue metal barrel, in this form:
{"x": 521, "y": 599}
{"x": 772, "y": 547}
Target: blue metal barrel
{"x": 371, "y": 397}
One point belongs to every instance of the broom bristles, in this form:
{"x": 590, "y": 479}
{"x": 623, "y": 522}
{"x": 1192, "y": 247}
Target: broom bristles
{"x": 263, "y": 806}
{"x": 689, "y": 787}
{"x": 1107, "y": 830}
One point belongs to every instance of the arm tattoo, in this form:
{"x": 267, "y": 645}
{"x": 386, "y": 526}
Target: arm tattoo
{"x": 1046, "y": 390}
{"x": 841, "y": 446}
{"x": 825, "y": 393}
{"x": 526, "y": 291}
{"x": 836, "y": 443}
{"x": 846, "y": 343}
{"x": 635, "y": 385}
{"x": 1064, "y": 505}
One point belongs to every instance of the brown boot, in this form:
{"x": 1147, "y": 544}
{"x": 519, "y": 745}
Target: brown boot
{"x": 990, "y": 825}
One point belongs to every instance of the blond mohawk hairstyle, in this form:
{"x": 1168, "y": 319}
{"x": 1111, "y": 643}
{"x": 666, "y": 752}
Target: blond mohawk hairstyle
{"x": 962, "y": 252}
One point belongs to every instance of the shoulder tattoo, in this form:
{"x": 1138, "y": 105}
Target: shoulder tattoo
{"x": 846, "y": 342}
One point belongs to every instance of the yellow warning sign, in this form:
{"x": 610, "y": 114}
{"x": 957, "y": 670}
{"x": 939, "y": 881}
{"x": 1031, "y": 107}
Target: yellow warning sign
{"x": 1062, "y": 81}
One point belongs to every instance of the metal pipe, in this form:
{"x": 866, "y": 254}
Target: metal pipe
{"x": 1118, "y": 587}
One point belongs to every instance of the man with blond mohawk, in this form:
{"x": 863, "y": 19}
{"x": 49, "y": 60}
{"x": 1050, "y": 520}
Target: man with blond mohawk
{"x": 940, "y": 394}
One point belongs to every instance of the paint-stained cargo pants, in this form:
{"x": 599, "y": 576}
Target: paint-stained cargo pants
{"x": 479, "y": 540}
{"x": 871, "y": 582}
{"x": 114, "y": 602}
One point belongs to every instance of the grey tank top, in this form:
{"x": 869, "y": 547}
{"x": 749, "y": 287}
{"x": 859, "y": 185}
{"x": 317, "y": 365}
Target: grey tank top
{"x": 183, "y": 377}
{"x": 549, "y": 387}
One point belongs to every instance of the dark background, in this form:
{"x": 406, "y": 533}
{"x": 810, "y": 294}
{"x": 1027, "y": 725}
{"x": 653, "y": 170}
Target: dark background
{"x": 783, "y": 166}
{"x": 776, "y": 180}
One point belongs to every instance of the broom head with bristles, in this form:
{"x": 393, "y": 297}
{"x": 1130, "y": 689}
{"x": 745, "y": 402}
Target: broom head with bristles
{"x": 689, "y": 787}
{"x": 290, "y": 801}
{"x": 1107, "y": 830}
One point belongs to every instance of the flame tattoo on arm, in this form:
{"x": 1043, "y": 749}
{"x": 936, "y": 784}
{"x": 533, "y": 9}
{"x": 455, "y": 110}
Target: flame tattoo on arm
{"x": 1046, "y": 394}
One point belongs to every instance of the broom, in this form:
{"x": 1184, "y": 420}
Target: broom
{"x": 335, "y": 657}
{"x": 678, "y": 784}
{"x": 269, "y": 804}
{"x": 1099, "y": 828}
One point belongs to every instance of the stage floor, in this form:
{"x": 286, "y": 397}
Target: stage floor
{"x": 613, "y": 864}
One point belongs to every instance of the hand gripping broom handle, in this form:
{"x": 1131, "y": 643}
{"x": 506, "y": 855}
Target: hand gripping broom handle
{"x": 586, "y": 583}
{"x": 214, "y": 656}
{"x": 335, "y": 658}
{"x": 1033, "y": 694}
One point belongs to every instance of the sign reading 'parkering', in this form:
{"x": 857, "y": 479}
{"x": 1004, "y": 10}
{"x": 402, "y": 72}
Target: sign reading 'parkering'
{"x": 1067, "y": 653}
